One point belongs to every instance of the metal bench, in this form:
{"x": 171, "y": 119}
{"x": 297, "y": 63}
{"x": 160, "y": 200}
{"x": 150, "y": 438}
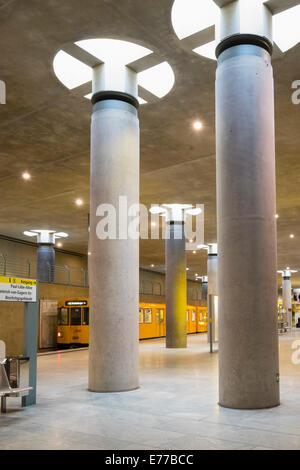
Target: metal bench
{"x": 6, "y": 390}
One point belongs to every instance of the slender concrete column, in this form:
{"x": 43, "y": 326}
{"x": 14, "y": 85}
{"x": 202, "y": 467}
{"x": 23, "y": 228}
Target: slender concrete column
{"x": 45, "y": 263}
{"x": 287, "y": 296}
{"x": 204, "y": 287}
{"x": 176, "y": 283}
{"x": 46, "y": 252}
{"x": 212, "y": 274}
{"x": 212, "y": 269}
{"x": 247, "y": 285}
{"x": 114, "y": 263}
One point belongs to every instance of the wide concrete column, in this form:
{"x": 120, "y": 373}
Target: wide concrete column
{"x": 287, "y": 296}
{"x": 246, "y": 198}
{"x": 176, "y": 283}
{"x": 114, "y": 263}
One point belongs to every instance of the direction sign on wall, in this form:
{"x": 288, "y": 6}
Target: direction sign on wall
{"x": 13, "y": 289}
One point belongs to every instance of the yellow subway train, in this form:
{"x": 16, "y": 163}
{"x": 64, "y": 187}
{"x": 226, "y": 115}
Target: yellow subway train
{"x": 73, "y": 321}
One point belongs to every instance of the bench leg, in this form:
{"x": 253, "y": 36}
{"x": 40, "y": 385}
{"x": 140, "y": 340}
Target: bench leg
{"x": 3, "y": 404}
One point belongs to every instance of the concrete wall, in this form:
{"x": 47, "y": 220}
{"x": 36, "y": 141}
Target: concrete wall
{"x": 18, "y": 250}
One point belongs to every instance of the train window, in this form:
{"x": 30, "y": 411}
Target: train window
{"x": 193, "y": 315}
{"x": 75, "y": 316}
{"x": 63, "y": 317}
{"x": 86, "y": 316}
{"x": 141, "y": 319}
{"x": 147, "y": 315}
{"x": 187, "y": 315}
{"x": 200, "y": 315}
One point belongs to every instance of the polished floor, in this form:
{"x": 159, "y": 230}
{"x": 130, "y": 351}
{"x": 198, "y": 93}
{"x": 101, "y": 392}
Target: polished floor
{"x": 175, "y": 408}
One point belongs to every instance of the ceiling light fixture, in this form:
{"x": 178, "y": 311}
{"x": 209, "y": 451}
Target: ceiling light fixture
{"x": 26, "y": 176}
{"x": 197, "y": 125}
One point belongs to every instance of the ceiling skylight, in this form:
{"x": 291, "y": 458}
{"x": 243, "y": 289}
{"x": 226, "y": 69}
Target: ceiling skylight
{"x": 113, "y": 50}
{"x": 73, "y": 71}
{"x": 159, "y": 80}
{"x": 70, "y": 71}
{"x": 191, "y": 16}
{"x": 286, "y": 28}
{"x": 207, "y": 50}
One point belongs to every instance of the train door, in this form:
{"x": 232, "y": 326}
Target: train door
{"x": 149, "y": 323}
{"x": 160, "y": 322}
{"x": 187, "y": 321}
{"x": 141, "y": 324}
{"x": 193, "y": 326}
{"x": 85, "y": 325}
{"x": 76, "y": 329}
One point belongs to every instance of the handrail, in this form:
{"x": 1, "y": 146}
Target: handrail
{"x": 57, "y": 274}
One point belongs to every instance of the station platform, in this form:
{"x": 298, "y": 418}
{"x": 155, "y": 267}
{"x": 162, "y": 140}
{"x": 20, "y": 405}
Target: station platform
{"x": 175, "y": 408}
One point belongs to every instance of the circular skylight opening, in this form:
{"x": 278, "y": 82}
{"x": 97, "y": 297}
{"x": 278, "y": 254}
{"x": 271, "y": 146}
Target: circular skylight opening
{"x": 195, "y": 22}
{"x": 73, "y": 66}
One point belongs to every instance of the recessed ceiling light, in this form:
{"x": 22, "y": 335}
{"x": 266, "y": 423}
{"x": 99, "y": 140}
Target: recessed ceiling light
{"x": 26, "y": 176}
{"x": 187, "y": 269}
{"x": 59, "y": 245}
{"x": 194, "y": 252}
{"x": 152, "y": 266}
{"x": 153, "y": 224}
{"x": 79, "y": 202}
{"x": 197, "y": 125}
{"x": 277, "y": 216}
{"x": 292, "y": 235}
{"x": 191, "y": 241}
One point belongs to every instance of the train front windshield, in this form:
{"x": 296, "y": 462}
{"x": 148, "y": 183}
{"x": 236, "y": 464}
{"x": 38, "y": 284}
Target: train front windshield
{"x": 63, "y": 316}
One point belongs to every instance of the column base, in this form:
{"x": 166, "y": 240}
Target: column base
{"x": 114, "y": 391}
{"x": 248, "y": 408}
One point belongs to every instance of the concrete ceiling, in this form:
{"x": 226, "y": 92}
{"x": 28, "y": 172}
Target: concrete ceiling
{"x": 45, "y": 128}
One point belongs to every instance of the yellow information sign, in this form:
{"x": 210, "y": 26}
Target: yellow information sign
{"x": 14, "y": 289}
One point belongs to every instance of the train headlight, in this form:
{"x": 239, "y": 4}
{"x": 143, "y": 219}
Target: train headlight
{"x": 59, "y": 335}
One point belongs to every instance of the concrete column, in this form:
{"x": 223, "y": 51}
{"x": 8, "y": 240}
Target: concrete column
{"x": 176, "y": 283}
{"x": 114, "y": 262}
{"x": 46, "y": 252}
{"x": 212, "y": 274}
{"x": 204, "y": 287}
{"x": 212, "y": 269}
{"x": 45, "y": 263}
{"x": 46, "y": 256}
{"x": 287, "y": 296}
{"x": 246, "y": 198}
